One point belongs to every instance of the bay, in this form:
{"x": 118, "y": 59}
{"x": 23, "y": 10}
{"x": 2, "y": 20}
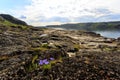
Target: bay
{"x": 109, "y": 34}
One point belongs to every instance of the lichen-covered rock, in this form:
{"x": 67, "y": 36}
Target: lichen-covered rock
{"x": 76, "y": 55}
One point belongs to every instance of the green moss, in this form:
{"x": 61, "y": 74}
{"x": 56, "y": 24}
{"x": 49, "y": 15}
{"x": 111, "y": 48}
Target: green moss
{"x": 23, "y": 27}
{"x": 56, "y": 61}
{"x": 39, "y": 49}
{"x": 49, "y": 66}
{"x": 9, "y": 24}
{"x": 32, "y": 65}
{"x": 43, "y": 47}
{"x": 46, "y": 66}
{"x": 107, "y": 49}
{"x": 34, "y": 58}
{"x": 110, "y": 49}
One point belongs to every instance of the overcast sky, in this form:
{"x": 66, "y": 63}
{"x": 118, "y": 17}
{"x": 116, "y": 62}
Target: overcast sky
{"x": 48, "y": 12}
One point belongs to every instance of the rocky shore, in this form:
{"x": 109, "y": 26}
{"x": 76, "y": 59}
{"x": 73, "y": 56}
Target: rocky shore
{"x": 77, "y": 55}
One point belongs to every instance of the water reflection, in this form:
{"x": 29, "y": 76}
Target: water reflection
{"x": 109, "y": 34}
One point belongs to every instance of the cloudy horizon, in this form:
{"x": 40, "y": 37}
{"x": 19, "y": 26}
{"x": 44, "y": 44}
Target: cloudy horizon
{"x": 52, "y": 12}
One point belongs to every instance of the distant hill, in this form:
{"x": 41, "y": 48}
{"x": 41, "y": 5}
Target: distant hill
{"x": 9, "y": 22}
{"x": 11, "y": 19}
{"x": 91, "y": 26}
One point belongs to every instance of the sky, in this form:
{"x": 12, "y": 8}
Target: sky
{"x": 53, "y": 12}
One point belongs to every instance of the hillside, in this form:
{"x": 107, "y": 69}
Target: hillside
{"x": 52, "y": 54}
{"x": 91, "y": 26}
{"x": 12, "y": 19}
{"x": 8, "y": 21}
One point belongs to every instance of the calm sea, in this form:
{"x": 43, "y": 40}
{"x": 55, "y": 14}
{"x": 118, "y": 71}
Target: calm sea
{"x": 109, "y": 34}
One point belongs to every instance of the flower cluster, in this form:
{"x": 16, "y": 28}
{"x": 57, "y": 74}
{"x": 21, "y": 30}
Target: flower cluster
{"x": 45, "y": 61}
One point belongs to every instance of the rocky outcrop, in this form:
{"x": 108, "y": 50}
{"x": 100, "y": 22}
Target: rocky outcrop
{"x": 76, "y": 55}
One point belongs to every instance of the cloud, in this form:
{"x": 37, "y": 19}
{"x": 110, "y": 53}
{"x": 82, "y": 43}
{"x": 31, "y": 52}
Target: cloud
{"x": 105, "y": 18}
{"x": 86, "y": 19}
{"x": 110, "y": 17}
{"x": 55, "y": 19}
{"x": 63, "y": 11}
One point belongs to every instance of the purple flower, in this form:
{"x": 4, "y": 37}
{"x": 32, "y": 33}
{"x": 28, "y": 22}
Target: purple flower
{"x": 52, "y": 59}
{"x": 45, "y": 61}
{"x": 41, "y": 62}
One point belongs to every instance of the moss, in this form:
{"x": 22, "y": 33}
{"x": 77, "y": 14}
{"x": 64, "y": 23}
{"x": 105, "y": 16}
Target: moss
{"x": 7, "y": 23}
{"x": 107, "y": 49}
{"x": 46, "y": 66}
{"x": 56, "y": 61}
{"x": 34, "y": 58}
{"x": 110, "y": 49}
{"x": 39, "y": 49}
{"x": 43, "y": 47}
{"x": 23, "y": 27}
{"x": 31, "y": 67}
{"x": 49, "y": 66}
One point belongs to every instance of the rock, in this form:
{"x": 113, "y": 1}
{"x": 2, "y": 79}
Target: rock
{"x": 118, "y": 39}
{"x": 71, "y": 54}
{"x": 51, "y": 45}
{"x": 78, "y": 55}
{"x": 43, "y": 35}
